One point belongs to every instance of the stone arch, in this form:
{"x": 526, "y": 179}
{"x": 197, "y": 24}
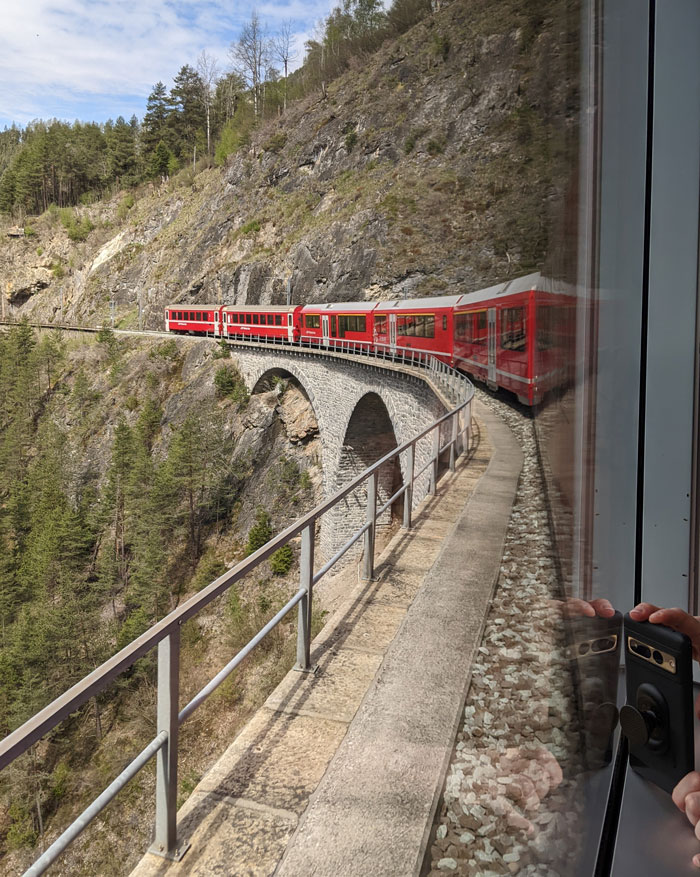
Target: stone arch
{"x": 266, "y": 378}
{"x": 369, "y": 435}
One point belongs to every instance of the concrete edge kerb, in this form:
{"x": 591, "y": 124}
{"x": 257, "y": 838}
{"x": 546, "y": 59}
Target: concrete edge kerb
{"x": 374, "y": 808}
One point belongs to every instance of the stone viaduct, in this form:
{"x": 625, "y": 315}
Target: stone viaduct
{"x": 363, "y": 409}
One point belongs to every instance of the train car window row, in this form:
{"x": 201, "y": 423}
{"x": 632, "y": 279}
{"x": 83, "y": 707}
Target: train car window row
{"x": 416, "y": 325}
{"x": 513, "y": 329}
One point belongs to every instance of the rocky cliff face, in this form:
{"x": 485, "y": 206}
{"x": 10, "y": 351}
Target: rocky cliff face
{"x": 435, "y": 167}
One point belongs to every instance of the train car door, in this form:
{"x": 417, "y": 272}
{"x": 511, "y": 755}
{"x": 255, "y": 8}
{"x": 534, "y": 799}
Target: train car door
{"x": 290, "y": 327}
{"x": 325, "y": 322}
{"x": 392, "y": 332}
{"x": 492, "y": 346}
{"x": 217, "y": 330}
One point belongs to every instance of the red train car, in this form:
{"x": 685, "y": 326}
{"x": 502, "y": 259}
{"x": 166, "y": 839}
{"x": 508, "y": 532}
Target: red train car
{"x": 263, "y": 322}
{"x": 514, "y": 335}
{"x": 193, "y": 319}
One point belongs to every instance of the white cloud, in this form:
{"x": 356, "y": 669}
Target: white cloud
{"x": 92, "y": 59}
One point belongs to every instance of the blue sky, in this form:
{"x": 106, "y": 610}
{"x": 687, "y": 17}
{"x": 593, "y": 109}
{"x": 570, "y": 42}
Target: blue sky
{"x": 97, "y": 59}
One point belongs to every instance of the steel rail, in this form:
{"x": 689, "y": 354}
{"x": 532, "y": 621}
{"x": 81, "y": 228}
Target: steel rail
{"x": 99, "y": 804}
{"x": 208, "y": 689}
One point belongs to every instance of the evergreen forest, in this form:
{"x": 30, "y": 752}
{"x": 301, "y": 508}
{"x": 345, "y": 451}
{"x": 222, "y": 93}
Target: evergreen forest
{"x": 104, "y": 526}
{"x": 205, "y": 116}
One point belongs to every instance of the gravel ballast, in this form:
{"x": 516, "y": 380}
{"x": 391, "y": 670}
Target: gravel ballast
{"x": 509, "y": 804}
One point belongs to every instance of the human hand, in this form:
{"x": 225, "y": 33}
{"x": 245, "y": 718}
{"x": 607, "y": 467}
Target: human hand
{"x": 677, "y": 619}
{"x": 575, "y": 607}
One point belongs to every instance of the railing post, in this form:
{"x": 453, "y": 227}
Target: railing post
{"x": 435, "y": 461}
{"x": 306, "y": 582}
{"x": 453, "y": 445}
{"x": 371, "y": 519}
{"x": 408, "y": 495}
{"x": 165, "y": 841}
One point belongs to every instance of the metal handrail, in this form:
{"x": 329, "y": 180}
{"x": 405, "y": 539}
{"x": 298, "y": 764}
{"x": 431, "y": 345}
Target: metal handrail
{"x": 165, "y": 634}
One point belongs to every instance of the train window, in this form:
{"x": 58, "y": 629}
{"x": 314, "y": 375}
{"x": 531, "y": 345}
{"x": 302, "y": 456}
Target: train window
{"x": 419, "y": 325}
{"x": 380, "y": 324}
{"x": 444, "y": 322}
{"x": 513, "y": 329}
{"x": 278, "y": 319}
{"x": 312, "y": 321}
{"x": 551, "y": 327}
{"x": 463, "y": 324}
{"x": 256, "y": 320}
{"x": 199, "y": 316}
{"x": 249, "y": 318}
{"x": 351, "y": 323}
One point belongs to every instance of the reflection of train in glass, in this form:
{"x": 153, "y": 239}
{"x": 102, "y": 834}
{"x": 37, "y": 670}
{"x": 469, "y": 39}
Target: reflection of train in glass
{"x": 514, "y": 335}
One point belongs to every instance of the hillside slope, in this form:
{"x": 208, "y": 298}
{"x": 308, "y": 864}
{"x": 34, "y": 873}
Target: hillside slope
{"x": 436, "y": 166}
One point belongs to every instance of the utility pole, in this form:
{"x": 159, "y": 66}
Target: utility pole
{"x": 289, "y": 290}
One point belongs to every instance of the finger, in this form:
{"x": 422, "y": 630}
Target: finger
{"x": 696, "y": 860}
{"x": 692, "y": 808}
{"x": 604, "y": 608}
{"x": 642, "y": 611}
{"x": 574, "y": 607}
{"x": 678, "y": 619}
{"x": 689, "y": 784}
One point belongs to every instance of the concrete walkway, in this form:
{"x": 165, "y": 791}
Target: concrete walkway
{"x": 340, "y": 773}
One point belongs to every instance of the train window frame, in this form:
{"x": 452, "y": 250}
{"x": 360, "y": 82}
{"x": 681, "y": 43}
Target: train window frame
{"x": 351, "y": 323}
{"x": 508, "y": 337}
{"x": 384, "y": 320}
{"x": 278, "y": 320}
{"x": 444, "y": 322}
{"x": 312, "y": 321}
{"x": 256, "y": 319}
{"x": 421, "y": 325}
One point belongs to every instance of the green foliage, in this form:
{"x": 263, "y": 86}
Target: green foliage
{"x": 440, "y": 46}
{"x": 229, "y": 383}
{"x": 134, "y": 625}
{"x": 165, "y": 350}
{"x": 223, "y": 351}
{"x": 251, "y": 227}
{"x": 106, "y": 336}
{"x": 21, "y": 832}
{"x": 29, "y": 230}
{"x": 350, "y": 140}
{"x": 125, "y": 206}
{"x": 40, "y": 251}
{"x": 281, "y": 561}
{"x": 260, "y": 532}
{"x": 77, "y": 229}
{"x": 275, "y": 143}
{"x": 57, "y": 270}
{"x": 210, "y": 567}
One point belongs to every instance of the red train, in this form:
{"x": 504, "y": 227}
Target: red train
{"x": 514, "y": 335}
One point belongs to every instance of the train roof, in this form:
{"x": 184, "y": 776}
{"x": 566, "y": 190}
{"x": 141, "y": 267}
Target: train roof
{"x": 286, "y": 309}
{"x": 510, "y": 287}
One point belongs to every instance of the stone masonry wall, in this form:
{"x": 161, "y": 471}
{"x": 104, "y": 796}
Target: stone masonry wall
{"x": 389, "y": 407}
